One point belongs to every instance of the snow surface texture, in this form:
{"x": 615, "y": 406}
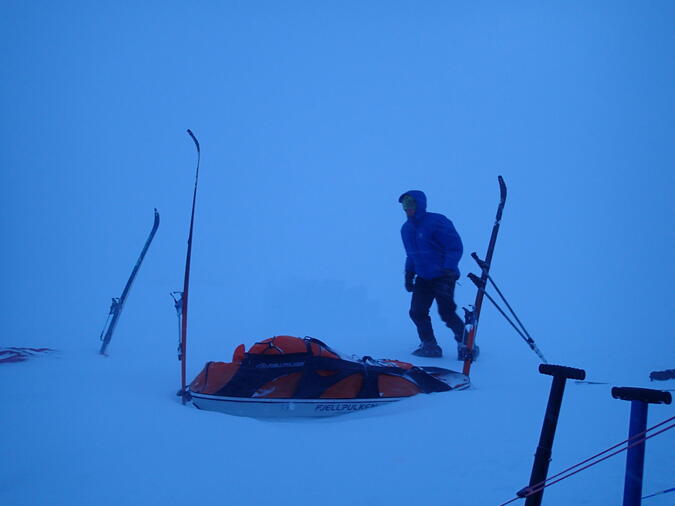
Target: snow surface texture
{"x": 313, "y": 118}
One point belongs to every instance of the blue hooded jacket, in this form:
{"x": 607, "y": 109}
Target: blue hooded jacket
{"x": 431, "y": 242}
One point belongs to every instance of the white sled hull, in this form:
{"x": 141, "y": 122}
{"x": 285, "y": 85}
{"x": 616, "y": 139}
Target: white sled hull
{"x": 285, "y": 408}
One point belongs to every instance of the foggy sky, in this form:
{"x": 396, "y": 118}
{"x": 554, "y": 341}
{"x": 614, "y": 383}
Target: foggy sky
{"x": 313, "y": 117}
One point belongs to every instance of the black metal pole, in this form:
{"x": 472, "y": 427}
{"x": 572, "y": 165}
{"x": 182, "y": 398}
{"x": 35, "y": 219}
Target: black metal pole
{"x": 542, "y": 457}
{"x": 635, "y": 456}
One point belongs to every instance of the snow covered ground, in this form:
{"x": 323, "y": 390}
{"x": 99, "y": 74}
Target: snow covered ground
{"x": 313, "y": 118}
{"x": 81, "y": 429}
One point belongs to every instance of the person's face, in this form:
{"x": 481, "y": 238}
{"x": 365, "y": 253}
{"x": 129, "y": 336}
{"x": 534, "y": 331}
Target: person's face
{"x": 409, "y": 205}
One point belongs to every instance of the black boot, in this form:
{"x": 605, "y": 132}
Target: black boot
{"x": 427, "y": 349}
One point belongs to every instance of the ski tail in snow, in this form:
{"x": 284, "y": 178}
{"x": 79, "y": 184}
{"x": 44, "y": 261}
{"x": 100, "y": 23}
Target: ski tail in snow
{"x": 466, "y": 351}
{"x": 118, "y": 302}
{"x": 182, "y": 301}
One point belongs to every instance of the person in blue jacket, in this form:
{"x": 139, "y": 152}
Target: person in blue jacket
{"x": 433, "y": 249}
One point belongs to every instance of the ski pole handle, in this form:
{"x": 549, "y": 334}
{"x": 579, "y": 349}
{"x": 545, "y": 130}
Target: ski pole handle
{"x": 476, "y": 281}
{"x": 481, "y": 263}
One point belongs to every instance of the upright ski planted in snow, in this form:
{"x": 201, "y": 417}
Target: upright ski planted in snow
{"x": 118, "y": 302}
{"x": 182, "y": 301}
{"x": 467, "y": 348}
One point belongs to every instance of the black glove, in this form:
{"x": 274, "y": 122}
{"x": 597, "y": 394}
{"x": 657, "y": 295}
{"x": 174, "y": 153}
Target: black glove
{"x": 409, "y": 281}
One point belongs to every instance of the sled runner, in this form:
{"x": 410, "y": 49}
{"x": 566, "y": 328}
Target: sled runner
{"x": 287, "y": 376}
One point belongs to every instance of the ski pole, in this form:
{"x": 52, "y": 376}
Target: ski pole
{"x": 542, "y": 457}
{"x": 530, "y": 342}
{"x": 635, "y": 458}
{"x": 483, "y": 267}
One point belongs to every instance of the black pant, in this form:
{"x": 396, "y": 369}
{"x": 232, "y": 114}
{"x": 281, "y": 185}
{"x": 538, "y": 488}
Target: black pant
{"x": 424, "y": 293}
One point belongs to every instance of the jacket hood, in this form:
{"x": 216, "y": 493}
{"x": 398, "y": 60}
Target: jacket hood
{"x": 420, "y": 199}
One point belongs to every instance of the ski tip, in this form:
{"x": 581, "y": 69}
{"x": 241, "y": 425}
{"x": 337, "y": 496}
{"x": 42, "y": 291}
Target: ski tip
{"x": 502, "y": 187}
{"x": 194, "y": 138}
